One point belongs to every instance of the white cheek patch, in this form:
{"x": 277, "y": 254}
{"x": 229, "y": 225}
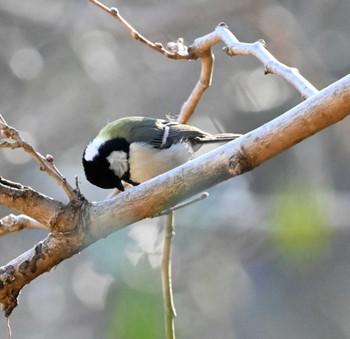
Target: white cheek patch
{"x": 92, "y": 149}
{"x": 118, "y": 163}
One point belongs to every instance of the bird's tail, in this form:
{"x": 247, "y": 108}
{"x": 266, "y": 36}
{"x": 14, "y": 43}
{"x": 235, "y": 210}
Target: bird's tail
{"x": 223, "y": 137}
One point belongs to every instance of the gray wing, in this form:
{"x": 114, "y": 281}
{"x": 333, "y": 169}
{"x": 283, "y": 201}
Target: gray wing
{"x": 171, "y": 133}
{"x": 163, "y": 133}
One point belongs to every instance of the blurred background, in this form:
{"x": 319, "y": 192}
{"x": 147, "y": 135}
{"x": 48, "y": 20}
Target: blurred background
{"x": 266, "y": 255}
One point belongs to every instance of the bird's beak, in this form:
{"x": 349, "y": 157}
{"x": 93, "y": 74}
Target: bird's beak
{"x": 120, "y": 186}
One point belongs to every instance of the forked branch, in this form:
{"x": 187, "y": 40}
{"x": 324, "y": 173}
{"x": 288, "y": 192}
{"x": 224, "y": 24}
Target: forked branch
{"x": 201, "y": 48}
{"x": 13, "y": 139}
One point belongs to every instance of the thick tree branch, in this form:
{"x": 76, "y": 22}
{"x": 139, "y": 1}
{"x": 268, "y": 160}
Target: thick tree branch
{"x": 249, "y": 151}
{"x": 40, "y": 259}
{"x": 24, "y": 199}
{"x": 243, "y": 154}
{"x": 94, "y": 221}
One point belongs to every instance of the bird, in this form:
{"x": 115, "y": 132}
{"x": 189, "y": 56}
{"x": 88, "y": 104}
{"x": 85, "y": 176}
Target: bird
{"x": 135, "y": 149}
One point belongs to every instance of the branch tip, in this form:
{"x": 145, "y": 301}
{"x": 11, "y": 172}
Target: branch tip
{"x": 2, "y": 120}
{"x": 115, "y": 11}
{"x": 9, "y": 307}
{"x": 266, "y": 70}
{"x": 295, "y": 70}
{"x": 49, "y": 158}
{"x": 222, "y": 24}
{"x": 178, "y": 47}
{"x": 262, "y": 41}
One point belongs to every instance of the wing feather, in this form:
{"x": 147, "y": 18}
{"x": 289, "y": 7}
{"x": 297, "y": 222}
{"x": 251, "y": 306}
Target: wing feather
{"x": 162, "y": 133}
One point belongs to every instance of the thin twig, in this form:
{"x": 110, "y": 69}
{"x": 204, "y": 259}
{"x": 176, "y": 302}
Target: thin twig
{"x": 168, "y": 297}
{"x": 15, "y": 223}
{"x": 176, "y": 50}
{"x": 168, "y": 300}
{"x": 271, "y": 64}
{"x": 14, "y": 140}
{"x": 202, "y": 84}
{"x": 202, "y": 196}
{"x": 158, "y": 47}
{"x": 201, "y": 48}
{"x": 9, "y": 328}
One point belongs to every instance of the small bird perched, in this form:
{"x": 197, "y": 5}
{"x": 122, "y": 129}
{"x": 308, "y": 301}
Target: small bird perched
{"x": 136, "y": 149}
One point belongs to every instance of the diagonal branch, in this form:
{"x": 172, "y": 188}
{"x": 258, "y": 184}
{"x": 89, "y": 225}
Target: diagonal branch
{"x": 26, "y": 200}
{"x": 92, "y": 222}
{"x": 14, "y": 140}
{"x": 323, "y": 109}
{"x": 158, "y": 47}
{"x": 271, "y": 64}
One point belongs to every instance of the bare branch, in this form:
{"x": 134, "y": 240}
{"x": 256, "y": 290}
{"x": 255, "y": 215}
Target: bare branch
{"x": 15, "y": 223}
{"x": 176, "y": 50}
{"x": 46, "y": 163}
{"x": 257, "y": 49}
{"x": 201, "y": 48}
{"x": 271, "y": 64}
{"x": 169, "y": 307}
{"x": 158, "y": 47}
{"x": 184, "y": 204}
{"x": 38, "y": 260}
{"x": 24, "y": 199}
{"x": 202, "y": 84}
{"x": 77, "y": 228}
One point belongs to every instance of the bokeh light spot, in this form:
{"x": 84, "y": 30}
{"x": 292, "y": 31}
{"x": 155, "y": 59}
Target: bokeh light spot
{"x": 91, "y": 287}
{"x": 26, "y": 63}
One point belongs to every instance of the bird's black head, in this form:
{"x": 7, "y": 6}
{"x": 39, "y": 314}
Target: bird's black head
{"x": 106, "y": 163}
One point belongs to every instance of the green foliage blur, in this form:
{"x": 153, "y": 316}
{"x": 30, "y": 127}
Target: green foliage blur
{"x": 135, "y": 314}
{"x": 301, "y": 231}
